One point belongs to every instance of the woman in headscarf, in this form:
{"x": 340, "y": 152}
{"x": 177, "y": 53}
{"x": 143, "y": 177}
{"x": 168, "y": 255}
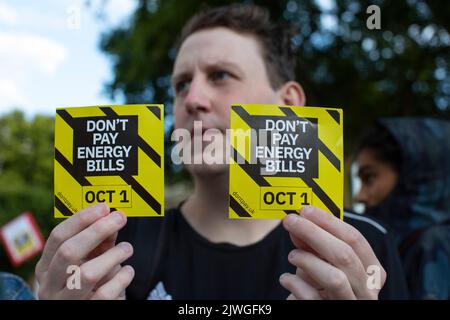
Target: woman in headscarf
{"x": 404, "y": 166}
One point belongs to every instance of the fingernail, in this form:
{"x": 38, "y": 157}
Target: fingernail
{"x": 292, "y": 254}
{"x": 130, "y": 270}
{"x": 117, "y": 216}
{"x": 291, "y": 219}
{"x": 126, "y": 247}
{"x": 283, "y": 275}
{"x": 101, "y": 207}
{"x": 306, "y": 210}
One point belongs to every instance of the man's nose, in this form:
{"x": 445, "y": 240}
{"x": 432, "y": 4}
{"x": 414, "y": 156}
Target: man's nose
{"x": 197, "y": 98}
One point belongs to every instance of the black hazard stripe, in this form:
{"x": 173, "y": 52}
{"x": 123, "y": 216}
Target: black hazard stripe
{"x": 318, "y": 191}
{"x": 241, "y": 212}
{"x": 152, "y": 154}
{"x": 69, "y": 168}
{"x": 66, "y": 211}
{"x": 322, "y": 146}
{"x": 62, "y": 208}
{"x": 155, "y": 110}
{"x": 335, "y": 115}
{"x": 136, "y": 186}
{"x": 149, "y": 151}
{"x": 334, "y": 209}
{"x": 250, "y": 170}
{"x": 143, "y": 193}
{"x": 80, "y": 179}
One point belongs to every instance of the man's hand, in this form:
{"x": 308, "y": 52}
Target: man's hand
{"x": 331, "y": 258}
{"x": 87, "y": 239}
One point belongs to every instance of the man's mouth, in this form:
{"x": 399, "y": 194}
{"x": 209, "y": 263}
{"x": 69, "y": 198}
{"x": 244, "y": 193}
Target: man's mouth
{"x": 201, "y": 130}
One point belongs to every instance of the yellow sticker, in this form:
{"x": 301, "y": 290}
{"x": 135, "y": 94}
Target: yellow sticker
{"x": 285, "y": 157}
{"x": 112, "y": 154}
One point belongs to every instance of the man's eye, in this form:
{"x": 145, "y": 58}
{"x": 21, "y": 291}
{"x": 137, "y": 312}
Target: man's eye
{"x": 182, "y": 86}
{"x": 220, "y": 75}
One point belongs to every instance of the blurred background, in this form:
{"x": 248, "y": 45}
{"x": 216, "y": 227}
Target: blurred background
{"x": 75, "y": 53}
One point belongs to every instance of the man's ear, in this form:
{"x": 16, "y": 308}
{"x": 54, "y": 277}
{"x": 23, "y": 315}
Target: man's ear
{"x": 291, "y": 94}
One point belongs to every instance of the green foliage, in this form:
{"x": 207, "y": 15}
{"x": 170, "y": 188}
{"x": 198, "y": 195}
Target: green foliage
{"x": 402, "y": 69}
{"x": 26, "y": 175}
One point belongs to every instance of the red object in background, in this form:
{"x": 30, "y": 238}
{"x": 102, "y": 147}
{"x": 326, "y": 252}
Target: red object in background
{"x": 22, "y": 238}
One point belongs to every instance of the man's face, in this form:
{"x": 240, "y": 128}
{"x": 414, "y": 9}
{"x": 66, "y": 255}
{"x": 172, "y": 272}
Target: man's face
{"x": 216, "y": 68}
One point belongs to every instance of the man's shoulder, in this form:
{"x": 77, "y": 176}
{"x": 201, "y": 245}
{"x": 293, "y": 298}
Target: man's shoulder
{"x": 379, "y": 235}
{"x": 365, "y": 224}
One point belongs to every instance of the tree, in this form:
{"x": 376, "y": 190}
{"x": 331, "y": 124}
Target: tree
{"x": 26, "y": 175}
{"x": 401, "y": 69}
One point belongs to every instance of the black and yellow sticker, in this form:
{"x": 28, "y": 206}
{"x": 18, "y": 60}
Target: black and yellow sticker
{"x": 285, "y": 157}
{"x": 112, "y": 154}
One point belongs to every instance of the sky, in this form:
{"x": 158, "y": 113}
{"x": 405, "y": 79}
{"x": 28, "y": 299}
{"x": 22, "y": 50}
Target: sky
{"x": 50, "y": 56}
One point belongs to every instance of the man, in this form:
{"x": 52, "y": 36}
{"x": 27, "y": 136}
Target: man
{"x": 227, "y": 55}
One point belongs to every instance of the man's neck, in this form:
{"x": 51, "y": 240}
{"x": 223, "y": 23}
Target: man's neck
{"x": 206, "y": 210}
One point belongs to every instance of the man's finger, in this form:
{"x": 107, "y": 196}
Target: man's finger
{"x": 104, "y": 246}
{"x": 108, "y": 277}
{"x": 299, "y": 287}
{"x": 343, "y": 231}
{"x": 74, "y": 250}
{"x": 331, "y": 249}
{"x": 299, "y": 243}
{"x": 302, "y": 274}
{"x": 115, "y": 288}
{"x": 95, "y": 271}
{"x": 330, "y": 278}
{"x": 68, "y": 229}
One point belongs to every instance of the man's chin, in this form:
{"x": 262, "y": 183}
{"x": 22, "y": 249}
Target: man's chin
{"x": 207, "y": 170}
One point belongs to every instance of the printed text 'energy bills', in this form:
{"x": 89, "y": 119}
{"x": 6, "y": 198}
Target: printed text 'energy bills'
{"x": 285, "y": 157}
{"x": 112, "y": 154}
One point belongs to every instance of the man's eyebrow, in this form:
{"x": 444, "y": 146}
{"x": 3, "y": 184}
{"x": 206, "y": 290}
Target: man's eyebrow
{"x": 179, "y": 76}
{"x": 216, "y": 65}
{"x": 219, "y": 64}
